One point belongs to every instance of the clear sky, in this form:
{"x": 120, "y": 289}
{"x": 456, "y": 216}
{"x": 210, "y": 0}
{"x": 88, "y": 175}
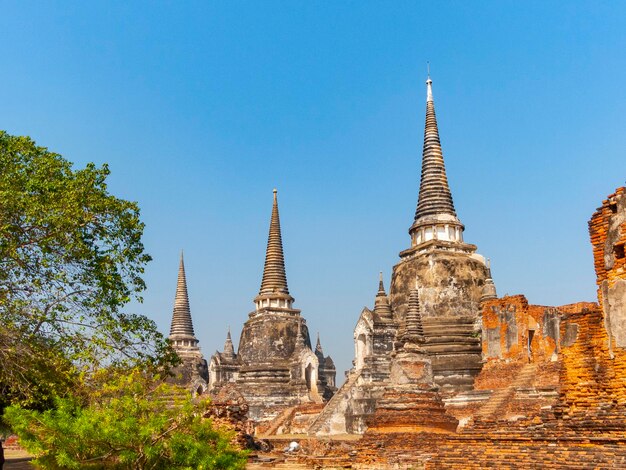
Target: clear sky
{"x": 202, "y": 108}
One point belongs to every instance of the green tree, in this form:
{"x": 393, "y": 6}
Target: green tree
{"x": 133, "y": 421}
{"x": 71, "y": 257}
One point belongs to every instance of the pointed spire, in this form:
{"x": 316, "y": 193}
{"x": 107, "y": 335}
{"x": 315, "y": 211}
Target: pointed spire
{"x": 381, "y": 287}
{"x": 435, "y": 223}
{"x": 229, "y": 349}
{"x": 319, "y": 352}
{"x": 489, "y": 288}
{"x": 274, "y": 276}
{"x": 434, "y": 196}
{"x": 300, "y": 343}
{"x": 429, "y": 86}
{"x": 318, "y": 346}
{"x": 413, "y": 330}
{"x": 182, "y": 326}
{"x": 381, "y": 304}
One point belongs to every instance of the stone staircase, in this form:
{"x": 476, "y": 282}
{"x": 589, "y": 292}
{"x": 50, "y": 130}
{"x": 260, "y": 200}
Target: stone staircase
{"x": 331, "y": 407}
{"x": 455, "y": 352}
{"x": 277, "y": 422}
{"x": 500, "y": 398}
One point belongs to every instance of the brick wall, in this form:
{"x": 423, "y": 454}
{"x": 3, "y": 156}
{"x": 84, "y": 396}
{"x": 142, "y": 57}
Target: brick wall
{"x": 607, "y": 229}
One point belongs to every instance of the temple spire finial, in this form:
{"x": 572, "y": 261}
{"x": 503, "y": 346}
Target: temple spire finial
{"x": 413, "y": 330}
{"x": 300, "y": 342}
{"x": 382, "y": 308}
{"x": 435, "y": 197}
{"x": 429, "y": 85}
{"x": 274, "y": 275}
{"x": 229, "y": 349}
{"x": 381, "y": 286}
{"x": 274, "y": 293}
{"x": 182, "y": 325}
{"x": 435, "y": 216}
{"x": 318, "y": 345}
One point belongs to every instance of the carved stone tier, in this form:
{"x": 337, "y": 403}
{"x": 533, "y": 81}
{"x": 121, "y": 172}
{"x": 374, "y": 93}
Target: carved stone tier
{"x": 450, "y": 288}
{"x": 450, "y": 284}
{"x": 455, "y": 351}
{"x": 271, "y": 336}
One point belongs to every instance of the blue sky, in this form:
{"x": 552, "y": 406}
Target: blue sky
{"x": 202, "y": 108}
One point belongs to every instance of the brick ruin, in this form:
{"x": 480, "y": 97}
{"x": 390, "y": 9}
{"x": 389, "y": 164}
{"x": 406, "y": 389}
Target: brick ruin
{"x": 607, "y": 229}
{"x": 445, "y": 374}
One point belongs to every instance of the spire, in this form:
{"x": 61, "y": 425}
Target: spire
{"x": 381, "y": 304}
{"x": 274, "y": 276}
{"x": 429, "y": 87}
{"x": 182, "y": 326}
{"x": 413, "y": 330}
{"x": 489, "y": 288}
{"x": 435, "y": 223}
{"x": 381, "y": 287}
{"x": 274, "y": 293}
{"x": 300, "y": 343}
{"x": 229, "y": 349}
{"x": 434, "y": 196}
{"x": 318, "y": 346}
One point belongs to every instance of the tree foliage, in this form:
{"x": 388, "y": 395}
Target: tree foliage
{"x": 133, "y": 421}
{"x": 71, "y": 257}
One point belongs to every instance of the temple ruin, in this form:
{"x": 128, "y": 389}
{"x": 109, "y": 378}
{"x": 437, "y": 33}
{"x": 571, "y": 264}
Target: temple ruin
{"x": 275, "y": 366}
{"x": 446, "y": 374}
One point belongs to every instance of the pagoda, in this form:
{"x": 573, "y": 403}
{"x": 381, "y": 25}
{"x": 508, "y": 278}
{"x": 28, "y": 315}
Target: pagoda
{"x": 453, "y": 279}
{"x": 193, "y": 370}
{"x": 275, "y": 366}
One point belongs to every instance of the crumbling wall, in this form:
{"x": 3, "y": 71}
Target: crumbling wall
{"x": 607, "y": 229}
{"x": 586, "y": 428}
{"x": 515, "y": 330}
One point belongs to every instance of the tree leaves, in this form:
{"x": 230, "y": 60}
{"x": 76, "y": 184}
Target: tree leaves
{"x": 133, "y": 420}
{"x": 71, "y": 258}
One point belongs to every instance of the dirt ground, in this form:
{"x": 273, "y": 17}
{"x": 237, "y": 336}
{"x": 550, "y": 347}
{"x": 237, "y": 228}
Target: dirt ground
{"x": 17, "y": 460}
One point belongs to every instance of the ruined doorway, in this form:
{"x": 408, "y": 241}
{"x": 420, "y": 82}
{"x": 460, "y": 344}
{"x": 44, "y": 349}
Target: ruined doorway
{"x": 310, "y": 377}
{"x": 531, "y": 335}
{"x": 361, "y": 348}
